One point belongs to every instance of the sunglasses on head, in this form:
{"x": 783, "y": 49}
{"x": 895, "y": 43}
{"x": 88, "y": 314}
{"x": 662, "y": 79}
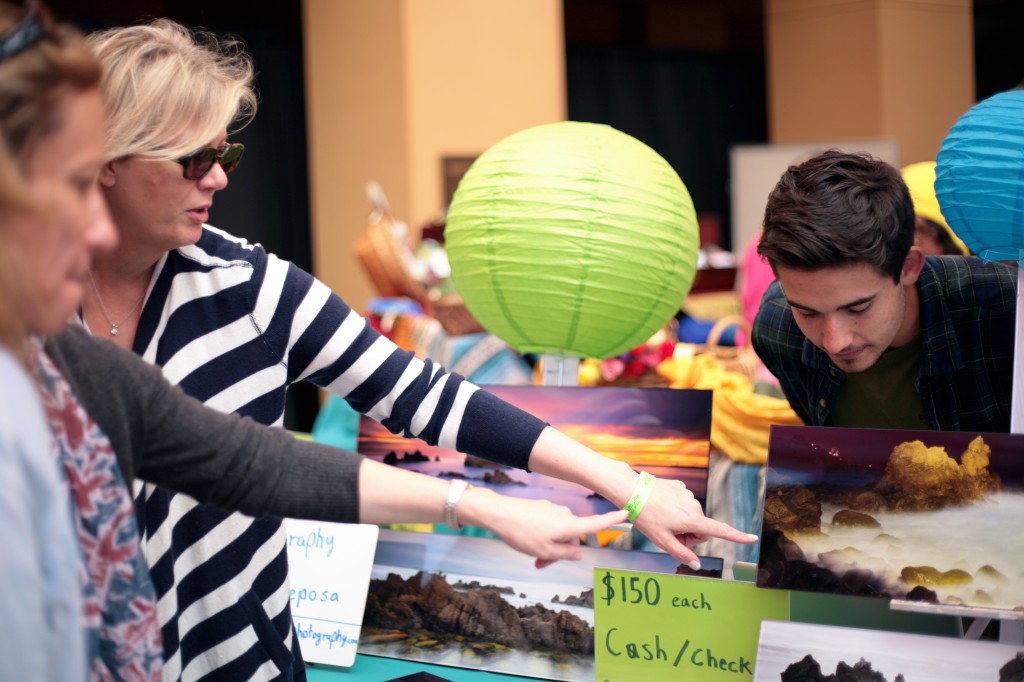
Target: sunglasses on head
{"x": 36, "y": 25}
{"x": 197, "y": 164}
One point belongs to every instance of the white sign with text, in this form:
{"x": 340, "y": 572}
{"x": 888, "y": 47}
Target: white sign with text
{"x": 329, "y": 570}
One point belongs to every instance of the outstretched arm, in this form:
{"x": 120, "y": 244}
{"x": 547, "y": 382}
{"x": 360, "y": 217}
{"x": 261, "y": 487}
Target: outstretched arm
{"x": 672, "y": 518}
{"x": 166, "y": 437}
{"x": 544, "y": 530}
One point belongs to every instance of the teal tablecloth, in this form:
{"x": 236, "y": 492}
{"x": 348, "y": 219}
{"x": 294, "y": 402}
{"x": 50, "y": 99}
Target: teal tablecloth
{"x": 380, "y": 669}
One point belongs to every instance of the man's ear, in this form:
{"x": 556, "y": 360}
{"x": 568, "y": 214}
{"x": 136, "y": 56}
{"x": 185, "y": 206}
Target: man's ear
{"x": 108, "y": 174}
{"x": 912, "y": 266}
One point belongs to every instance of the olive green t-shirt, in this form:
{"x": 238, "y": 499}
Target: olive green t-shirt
{"x": 884, "y": 396}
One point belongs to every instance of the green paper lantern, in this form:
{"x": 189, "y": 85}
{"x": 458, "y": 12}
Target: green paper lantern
{"x": 572, "y": 238}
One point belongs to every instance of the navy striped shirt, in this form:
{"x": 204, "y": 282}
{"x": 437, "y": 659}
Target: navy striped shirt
{"x": 234, "y": 326}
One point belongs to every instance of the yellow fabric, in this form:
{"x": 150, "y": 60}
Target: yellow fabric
{"x": 740, "y": 418}
{"x": 418, "y": 527}
{"x": 920, "y": 179}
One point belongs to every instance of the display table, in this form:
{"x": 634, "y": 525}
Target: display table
{"x": 380, "y": 669}
{"x": 806, "y": 607}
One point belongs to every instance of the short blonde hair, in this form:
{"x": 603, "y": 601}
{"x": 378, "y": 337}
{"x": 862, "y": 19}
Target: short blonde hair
{"x": 170, "y": 90}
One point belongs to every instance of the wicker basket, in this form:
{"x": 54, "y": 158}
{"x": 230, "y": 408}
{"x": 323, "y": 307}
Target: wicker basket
{"x": 740, "y": 359}
{"x": 381, "y": 254}
{"x": 454, "y": 316}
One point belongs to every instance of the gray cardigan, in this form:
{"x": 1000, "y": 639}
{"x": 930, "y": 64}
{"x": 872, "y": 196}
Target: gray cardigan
{"x": 163, "y": 436}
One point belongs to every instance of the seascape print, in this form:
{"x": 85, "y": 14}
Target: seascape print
{"x": 799, "y": 652}
{"x": 477, "y": 603}
{"x": 923, "y": 516}
{"x": 666, "y": 432}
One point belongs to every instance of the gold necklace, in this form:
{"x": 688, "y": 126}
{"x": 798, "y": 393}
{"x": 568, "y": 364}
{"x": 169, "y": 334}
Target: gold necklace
{"x": 103, "y": 309}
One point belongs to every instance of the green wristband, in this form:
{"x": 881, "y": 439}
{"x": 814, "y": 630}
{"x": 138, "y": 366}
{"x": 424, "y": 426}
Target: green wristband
{"x": 640, "y": 494}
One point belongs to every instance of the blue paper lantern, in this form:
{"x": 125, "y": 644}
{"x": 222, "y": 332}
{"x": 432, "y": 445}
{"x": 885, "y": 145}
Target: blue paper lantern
{"x": 979, "y": 177}
{"x": 572, "y": 238}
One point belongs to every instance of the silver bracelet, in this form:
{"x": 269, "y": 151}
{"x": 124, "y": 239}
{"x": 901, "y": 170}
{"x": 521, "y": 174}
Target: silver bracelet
{"x": 455, "y": 491}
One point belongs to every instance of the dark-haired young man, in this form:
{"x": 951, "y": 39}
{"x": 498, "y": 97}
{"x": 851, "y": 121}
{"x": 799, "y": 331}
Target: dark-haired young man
{"x": 862, "y": 329}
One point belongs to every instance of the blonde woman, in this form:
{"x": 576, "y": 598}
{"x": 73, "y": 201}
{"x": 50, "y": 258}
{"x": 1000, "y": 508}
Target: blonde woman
{"x": 234, "y": 326}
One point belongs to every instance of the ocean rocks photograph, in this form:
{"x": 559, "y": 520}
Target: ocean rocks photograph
{"x": 801, "y": 652}
{"x": 910, "y": 515}
{"x": 475, "y": 602}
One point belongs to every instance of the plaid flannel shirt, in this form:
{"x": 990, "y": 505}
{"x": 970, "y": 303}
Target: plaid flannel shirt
{"x": 968, "y": 318}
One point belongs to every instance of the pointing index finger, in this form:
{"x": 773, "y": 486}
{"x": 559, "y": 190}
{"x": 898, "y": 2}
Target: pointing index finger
{"x": 712, "y": 528}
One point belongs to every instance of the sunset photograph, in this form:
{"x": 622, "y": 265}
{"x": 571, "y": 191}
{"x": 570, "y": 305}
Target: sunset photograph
{"x": 663, "y": 431}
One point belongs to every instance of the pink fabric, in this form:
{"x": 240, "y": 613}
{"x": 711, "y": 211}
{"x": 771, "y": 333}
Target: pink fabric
{"x": 117, "y": 594}
{"x": 757, "y": 276}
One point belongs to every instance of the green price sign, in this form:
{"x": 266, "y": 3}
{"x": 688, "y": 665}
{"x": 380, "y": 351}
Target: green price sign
{"x": 650, "y": 626}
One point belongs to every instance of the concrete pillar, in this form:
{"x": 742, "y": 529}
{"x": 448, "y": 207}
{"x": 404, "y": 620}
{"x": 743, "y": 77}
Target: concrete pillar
{"x": 393, "y": 86}
{"x": 845, "y": 69}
